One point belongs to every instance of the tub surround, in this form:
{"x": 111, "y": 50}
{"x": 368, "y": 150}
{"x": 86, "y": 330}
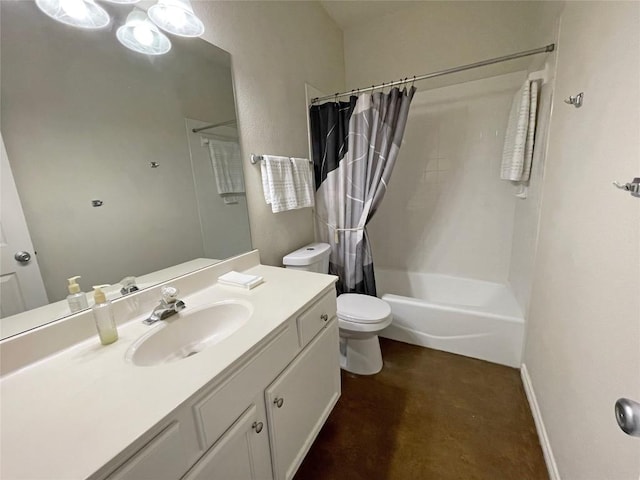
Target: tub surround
{"x": 71, "y": 406}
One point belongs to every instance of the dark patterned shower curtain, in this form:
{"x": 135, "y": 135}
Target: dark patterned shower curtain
{"x": 355, "y": 146}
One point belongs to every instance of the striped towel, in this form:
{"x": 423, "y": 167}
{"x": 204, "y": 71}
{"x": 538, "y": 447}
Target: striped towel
{"x": 227, "y": 168}
{"x": 518, "y": 141}
{"x": 287, "y": 183}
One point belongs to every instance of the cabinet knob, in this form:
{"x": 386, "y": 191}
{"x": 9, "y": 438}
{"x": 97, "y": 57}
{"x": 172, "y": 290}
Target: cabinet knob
{"x": 278, "y": 402}
{"x": 324, "y": 317}
{"x": 257, "y": 426}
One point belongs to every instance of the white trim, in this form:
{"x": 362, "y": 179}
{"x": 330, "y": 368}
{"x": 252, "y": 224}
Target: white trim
{"x": 549, "y": 459}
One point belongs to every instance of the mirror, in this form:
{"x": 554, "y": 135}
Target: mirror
{"x": 112, "y": 179}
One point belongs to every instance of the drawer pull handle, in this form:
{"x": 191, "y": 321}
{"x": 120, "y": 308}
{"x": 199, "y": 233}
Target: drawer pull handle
{"x": 257, "y": 426}
{"x": 278, "y": 402}
{"x": 324, "y": 317}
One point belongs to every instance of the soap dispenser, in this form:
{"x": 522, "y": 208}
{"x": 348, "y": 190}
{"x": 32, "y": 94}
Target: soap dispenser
{"x": 103, "y": 315}
{"x": 77, "y": 299}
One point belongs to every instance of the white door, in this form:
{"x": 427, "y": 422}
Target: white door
{"x": 21, "y": 286}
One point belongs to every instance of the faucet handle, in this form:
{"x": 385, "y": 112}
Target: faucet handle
{"x": 128, "y": 285}
{"x": 169, "y": 294}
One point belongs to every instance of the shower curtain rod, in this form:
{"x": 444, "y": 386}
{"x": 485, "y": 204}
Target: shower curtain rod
{"x": 548, "y": 48}
{"x": 214, "y": 125}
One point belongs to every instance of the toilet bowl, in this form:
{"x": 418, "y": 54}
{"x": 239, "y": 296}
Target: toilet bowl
{"x": 360, "y": 317}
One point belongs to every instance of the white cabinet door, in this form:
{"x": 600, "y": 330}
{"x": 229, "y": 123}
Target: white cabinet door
{"x": 300, "y": 400}
{"x": 242, "y": 453}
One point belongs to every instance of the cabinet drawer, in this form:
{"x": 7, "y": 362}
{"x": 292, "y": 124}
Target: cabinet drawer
{"x": 316, "y": 317}
{"x": 161, "y": 458}
{"x": 215, "y": 413}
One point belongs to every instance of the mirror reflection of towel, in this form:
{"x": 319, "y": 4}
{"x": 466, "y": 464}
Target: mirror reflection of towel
{"x": 227, "y": 168}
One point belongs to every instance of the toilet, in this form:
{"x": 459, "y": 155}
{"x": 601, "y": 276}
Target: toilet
{"x": 360, "y": 317}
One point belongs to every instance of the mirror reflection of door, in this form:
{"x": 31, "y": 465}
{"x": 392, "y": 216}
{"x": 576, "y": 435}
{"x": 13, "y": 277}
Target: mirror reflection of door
{"x": 21, "y": 286}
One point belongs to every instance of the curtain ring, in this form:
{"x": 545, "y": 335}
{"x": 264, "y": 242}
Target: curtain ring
{"x": 413, "y": 81}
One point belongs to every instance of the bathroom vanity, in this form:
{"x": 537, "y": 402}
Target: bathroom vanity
{"x": 247, "y": 406}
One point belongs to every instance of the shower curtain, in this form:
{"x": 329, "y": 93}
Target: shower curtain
{"x": 355, "y": 146}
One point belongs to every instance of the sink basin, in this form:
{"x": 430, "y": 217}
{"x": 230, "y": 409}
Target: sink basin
{"x": 188, "y": 333}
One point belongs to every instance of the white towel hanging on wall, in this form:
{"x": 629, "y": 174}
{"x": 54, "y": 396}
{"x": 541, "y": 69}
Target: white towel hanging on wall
{"x": 287, "y": 183}
{"x": 519, "y": 138}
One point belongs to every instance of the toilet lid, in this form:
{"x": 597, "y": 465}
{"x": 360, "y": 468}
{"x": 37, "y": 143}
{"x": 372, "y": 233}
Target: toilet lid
{"x": 358, "y": 308}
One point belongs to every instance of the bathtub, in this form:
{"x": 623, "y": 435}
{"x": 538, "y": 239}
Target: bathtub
{"x": 459, "y": 315}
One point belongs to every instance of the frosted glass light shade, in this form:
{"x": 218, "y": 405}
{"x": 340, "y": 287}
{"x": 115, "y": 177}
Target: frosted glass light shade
{"x": 141, "y": 35}
{"x": 177, "y": 17}
{"x": 77, "y": 13}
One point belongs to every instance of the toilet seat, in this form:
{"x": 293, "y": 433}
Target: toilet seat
{"x": 362, "y": 312}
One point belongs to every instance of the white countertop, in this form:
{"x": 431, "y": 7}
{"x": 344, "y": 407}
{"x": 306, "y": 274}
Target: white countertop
{"x": 69, "y": 414}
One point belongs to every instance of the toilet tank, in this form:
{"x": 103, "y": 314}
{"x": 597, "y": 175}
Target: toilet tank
{"x": 312, "y": 258}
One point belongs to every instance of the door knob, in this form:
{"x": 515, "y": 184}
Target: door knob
{"x": 278, "y": 402}
{"x": 22, "y": 257}
{"x": 628, "y": 416}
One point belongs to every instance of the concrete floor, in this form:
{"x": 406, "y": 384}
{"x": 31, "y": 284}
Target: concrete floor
{"x": 428, "y": 415}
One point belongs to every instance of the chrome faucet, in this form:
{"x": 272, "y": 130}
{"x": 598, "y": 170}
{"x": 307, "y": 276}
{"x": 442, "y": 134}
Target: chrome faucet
{"x": 169, "y": 305}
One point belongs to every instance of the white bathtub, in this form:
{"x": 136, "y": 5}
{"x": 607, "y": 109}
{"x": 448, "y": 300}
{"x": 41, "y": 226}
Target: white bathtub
{"x": 459, "y": 315}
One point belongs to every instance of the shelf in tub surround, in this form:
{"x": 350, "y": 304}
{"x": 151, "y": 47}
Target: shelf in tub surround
{"x": 69, "y": 410}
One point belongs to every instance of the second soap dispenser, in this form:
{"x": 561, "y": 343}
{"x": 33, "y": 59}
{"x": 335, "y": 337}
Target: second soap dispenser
{"x": 103, "y": 315}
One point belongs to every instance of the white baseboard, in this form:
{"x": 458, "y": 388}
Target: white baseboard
{"x": 537, "y": 418}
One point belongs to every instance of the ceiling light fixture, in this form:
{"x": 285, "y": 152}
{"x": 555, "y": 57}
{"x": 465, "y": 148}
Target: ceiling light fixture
{"x": 77, "y": 13}
{"x": 141, "y": 35}
{"x": 177, "y": 17}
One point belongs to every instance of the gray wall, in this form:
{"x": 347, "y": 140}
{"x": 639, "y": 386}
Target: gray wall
{"x": 582, "y": 348}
